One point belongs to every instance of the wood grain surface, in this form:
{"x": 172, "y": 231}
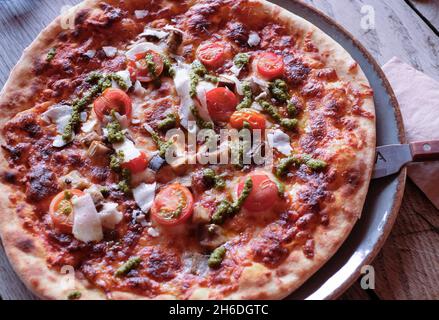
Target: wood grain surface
{"x": 408, "y": 265}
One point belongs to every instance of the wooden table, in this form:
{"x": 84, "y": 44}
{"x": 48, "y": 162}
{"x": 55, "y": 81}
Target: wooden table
{"x": 408, "y": 265}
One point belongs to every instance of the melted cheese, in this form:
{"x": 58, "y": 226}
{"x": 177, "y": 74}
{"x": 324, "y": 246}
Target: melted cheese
{"x": 182, "y": 83}
{"x": 142, "y": 47}
{"x": 109, "y": 215}
{"x": 202, "y": 88}
{"x": 128, "y": 148}
{"x": 154, "y": 33}
{"x": 86, "y": 222}
{"x": 110, "y": 51}
{"x": 280, "y": 140}
{"x": 144, "y": 195}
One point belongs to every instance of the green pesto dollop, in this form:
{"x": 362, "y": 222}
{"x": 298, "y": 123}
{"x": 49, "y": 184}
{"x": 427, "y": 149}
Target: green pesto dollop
{"x": 170, "y": 121}
{"x": 211, "y": 179}
{"x": 271, "y": 110}
{"x": 99, "y": 82}
{"x": 226, "y": 208}
{"x": 247, "y": 100}
{"x": 223, "y": 210}
{"x": 150, "y": 64}
{"x": 131, "y": 264}
{"x": 291, "y": 108}
{"x": 316, "y": 164}
{"x": 289, "y": 124}
{"x": 115, "y": 160}
{"x": 241, "y": 59}
{"x": 201, "y": 123}
{"x": 297, "y": 160}
{"x": 124, "y": 174}
{"x": 115, "y": 133}
{"x": 167, "y": 66}
{"x": 65, "y": 207}
{"x": 211, "y": 78}
{"x": 279, "y": 90}
{"x": 161, "y": 144}
{"x": 216, "y": 257}
{"x": 124, "y": 182}
{"x": 51, "y": 54}
{"x": 248, "y": 186}
{"x": 198, "y": 70}
{"x": 75, "y": 295}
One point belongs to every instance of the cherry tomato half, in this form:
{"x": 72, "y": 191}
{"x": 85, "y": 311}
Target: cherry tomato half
{"x": 263, "y": 195}
{"x": 139, "y": 69}
{"x": 112, "y": 99}
{"x": 221, "y": 103}
{"x": 255, "y": 119}
{"x": 173, "y": 205}
{"x": 61, "y": 210}
{"x": 212, "y": 54}
{"x": 138, "y": 164}
{"x": 270, "y": 65}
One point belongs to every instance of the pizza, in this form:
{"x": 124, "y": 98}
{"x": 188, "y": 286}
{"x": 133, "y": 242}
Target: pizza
{"x": 98, "y": 185}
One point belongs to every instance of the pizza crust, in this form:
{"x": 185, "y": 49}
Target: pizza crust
{"x": 26, "y": 253}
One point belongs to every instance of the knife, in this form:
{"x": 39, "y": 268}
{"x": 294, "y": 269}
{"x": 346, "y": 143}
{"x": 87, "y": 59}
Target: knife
{"x": 391, "y": 158}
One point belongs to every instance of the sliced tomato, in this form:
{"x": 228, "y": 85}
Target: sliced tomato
{"x": 112, "y": 99}
{"x": 61, "y": 209}
{"x": 212, "y": 54}
{"x": 221, "y": 103}
{"x": 255, "y": 119}
{"x": 139, "y": 69}
{"x": 270, "y": 65}
{"x": 263, "y": 195}
{"x": 173, "y": 205}
{"x": 138, "y": 164}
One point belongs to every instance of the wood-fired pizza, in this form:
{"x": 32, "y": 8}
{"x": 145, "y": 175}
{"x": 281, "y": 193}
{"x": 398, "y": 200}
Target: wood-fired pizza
{"x": 98, "y": 184}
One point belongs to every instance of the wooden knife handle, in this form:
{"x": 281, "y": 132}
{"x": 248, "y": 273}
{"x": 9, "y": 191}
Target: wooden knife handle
{"x": 425, "y": 151}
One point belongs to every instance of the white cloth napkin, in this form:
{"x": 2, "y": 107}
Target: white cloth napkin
{"x": 418, "y": 97}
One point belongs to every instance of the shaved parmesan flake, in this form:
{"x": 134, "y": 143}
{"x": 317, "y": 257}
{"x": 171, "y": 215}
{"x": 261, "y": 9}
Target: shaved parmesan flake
{"x": 90, "y": 53}
{"x": 109, "y": 215}
{"x": 110, "y": 52}
{"x": 123, "y": 120}
{"x": 128, "y": 148}
{"x": 89, "y": 126}
{"x": 141, "y": 48}
{"x": 281, "y": 141}
{"x": 86, "y": 222}
{"x": 59, "y": 115}
{"x": 202, "y": 88}
{"x": 253, "y": 39}
{"x": 236, "y": 70}
{"x": 172, "y": 28}
{"x": 140, "y": 14}
{"x": 255, "y": 105}
{"x": 56, "y": 112}
{"x": 144, "y": 195}
{"x": 263, "y": 84}
{"x": 154, "y": 33}
{"x": 182, "y": 83}
{"x": 138, "y": 101}
{"x": 238, "y": 83}
{"x": 125, "y": 76}
{"x": 59, "y": 142}
{"x": 153, "y": 232}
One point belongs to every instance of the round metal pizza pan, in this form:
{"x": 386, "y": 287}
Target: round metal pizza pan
{"x": 385, "y": 195}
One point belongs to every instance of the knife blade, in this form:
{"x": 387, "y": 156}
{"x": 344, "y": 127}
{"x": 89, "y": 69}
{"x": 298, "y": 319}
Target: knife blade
{"x": 391, "y": 158}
